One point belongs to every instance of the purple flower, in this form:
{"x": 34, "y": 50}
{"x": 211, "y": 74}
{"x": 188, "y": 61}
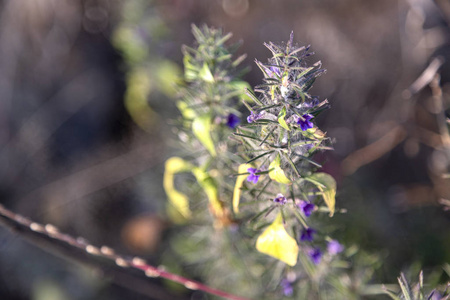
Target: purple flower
{"x": 280, "y": 199}
{"x": 307, "y": 235}
{"x": 253, "y": 117}
{"x": 307, "y": 207}
{"x": 272, "y": 71}
{"x": 233, "y": 121}
{"x": 288, "y": 290}
{"x": 316, "y": 255}
{"x": 306, "y": 124}
{"x": 334, "y": 247}
{"x": 253, "y": 177}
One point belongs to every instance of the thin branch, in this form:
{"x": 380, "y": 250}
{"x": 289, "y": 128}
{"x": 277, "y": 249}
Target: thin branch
{"x": 38, "y": 233}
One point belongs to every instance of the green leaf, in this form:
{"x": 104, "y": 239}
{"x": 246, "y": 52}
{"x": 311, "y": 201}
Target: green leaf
{"x": 303, "y": 73}
{"x": 238, "y": 60}
{"x": 201, "y": 127}
{"x": 252, "y": 96}
{"x": 237, "y": 187}
{"x": 390, "y": 293}
{"x": 277, "y": 173}
{"x": 205, "y": 73}
{"x": 404, "y": 286}
{"x": 259, "y": 156}
{"x": 281, "y": 119}
{"x": 276, "y": 242}
{"x": 327, "y": 185}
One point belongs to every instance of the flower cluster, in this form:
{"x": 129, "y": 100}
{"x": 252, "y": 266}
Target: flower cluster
{"x": 281, "y": 137}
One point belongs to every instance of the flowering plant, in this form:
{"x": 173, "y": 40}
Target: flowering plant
{"x": 281, "y": 138}
{"x": 240, "y": 167}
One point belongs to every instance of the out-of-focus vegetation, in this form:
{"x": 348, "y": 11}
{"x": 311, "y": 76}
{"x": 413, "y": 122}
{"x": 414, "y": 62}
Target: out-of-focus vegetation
{"x": 84, "y": 108}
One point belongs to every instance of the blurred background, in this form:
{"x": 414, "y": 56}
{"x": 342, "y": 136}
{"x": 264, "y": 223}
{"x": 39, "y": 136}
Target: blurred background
{"x": 85, "y": 110}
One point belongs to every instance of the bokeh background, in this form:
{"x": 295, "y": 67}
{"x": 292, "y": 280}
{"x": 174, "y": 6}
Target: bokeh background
{"x": 85, "y": 110}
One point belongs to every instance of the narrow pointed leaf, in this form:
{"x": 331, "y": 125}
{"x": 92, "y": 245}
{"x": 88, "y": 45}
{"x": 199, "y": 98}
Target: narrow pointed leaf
{"x": 237, "y": 188}
{"x": 390, "y": 293}
{"x": 259, "y": 156}
{"x": 404, "y": 286}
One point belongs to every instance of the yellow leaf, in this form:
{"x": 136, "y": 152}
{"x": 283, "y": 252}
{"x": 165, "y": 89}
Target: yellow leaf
{"x": 327, "y": 185}
{"x": 205, "y": 73}
{"x": 190, "y": 71}
{"x": 177, "y": 165}
{"x": 237, "y": 188}
{"x": 186, "y": 111}
{"x": 178, "y": 209}
{"x": 167, "y": 73}
{"x": 319, "y": 134}
{"x": 139, "y": 86}
{"x": 201, "y": 127}
{"x": 178, "y": 201}
{"x": 277, "y": 173}
{"x": 281, "y": 119}
{"x": 276, "y": 242}
{"x": 209, "y": 185}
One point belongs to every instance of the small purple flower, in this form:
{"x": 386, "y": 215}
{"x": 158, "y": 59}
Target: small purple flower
{"x": 288, "y": 290}
{"x": 233, "y": 121}
{"x": 306, "y": 124}
{"x": 272, "y": 71}
{"x": 275, "y": 70}
{"x": 253, "y": 177}
{"x": 334, "y": 247}
{"x": 316, "y": 255}
{"x": 253, "y": 117}
{"x": 307, "y": 235}
{"x": 307, "y": 207}
{"x": 280, "y": 199}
